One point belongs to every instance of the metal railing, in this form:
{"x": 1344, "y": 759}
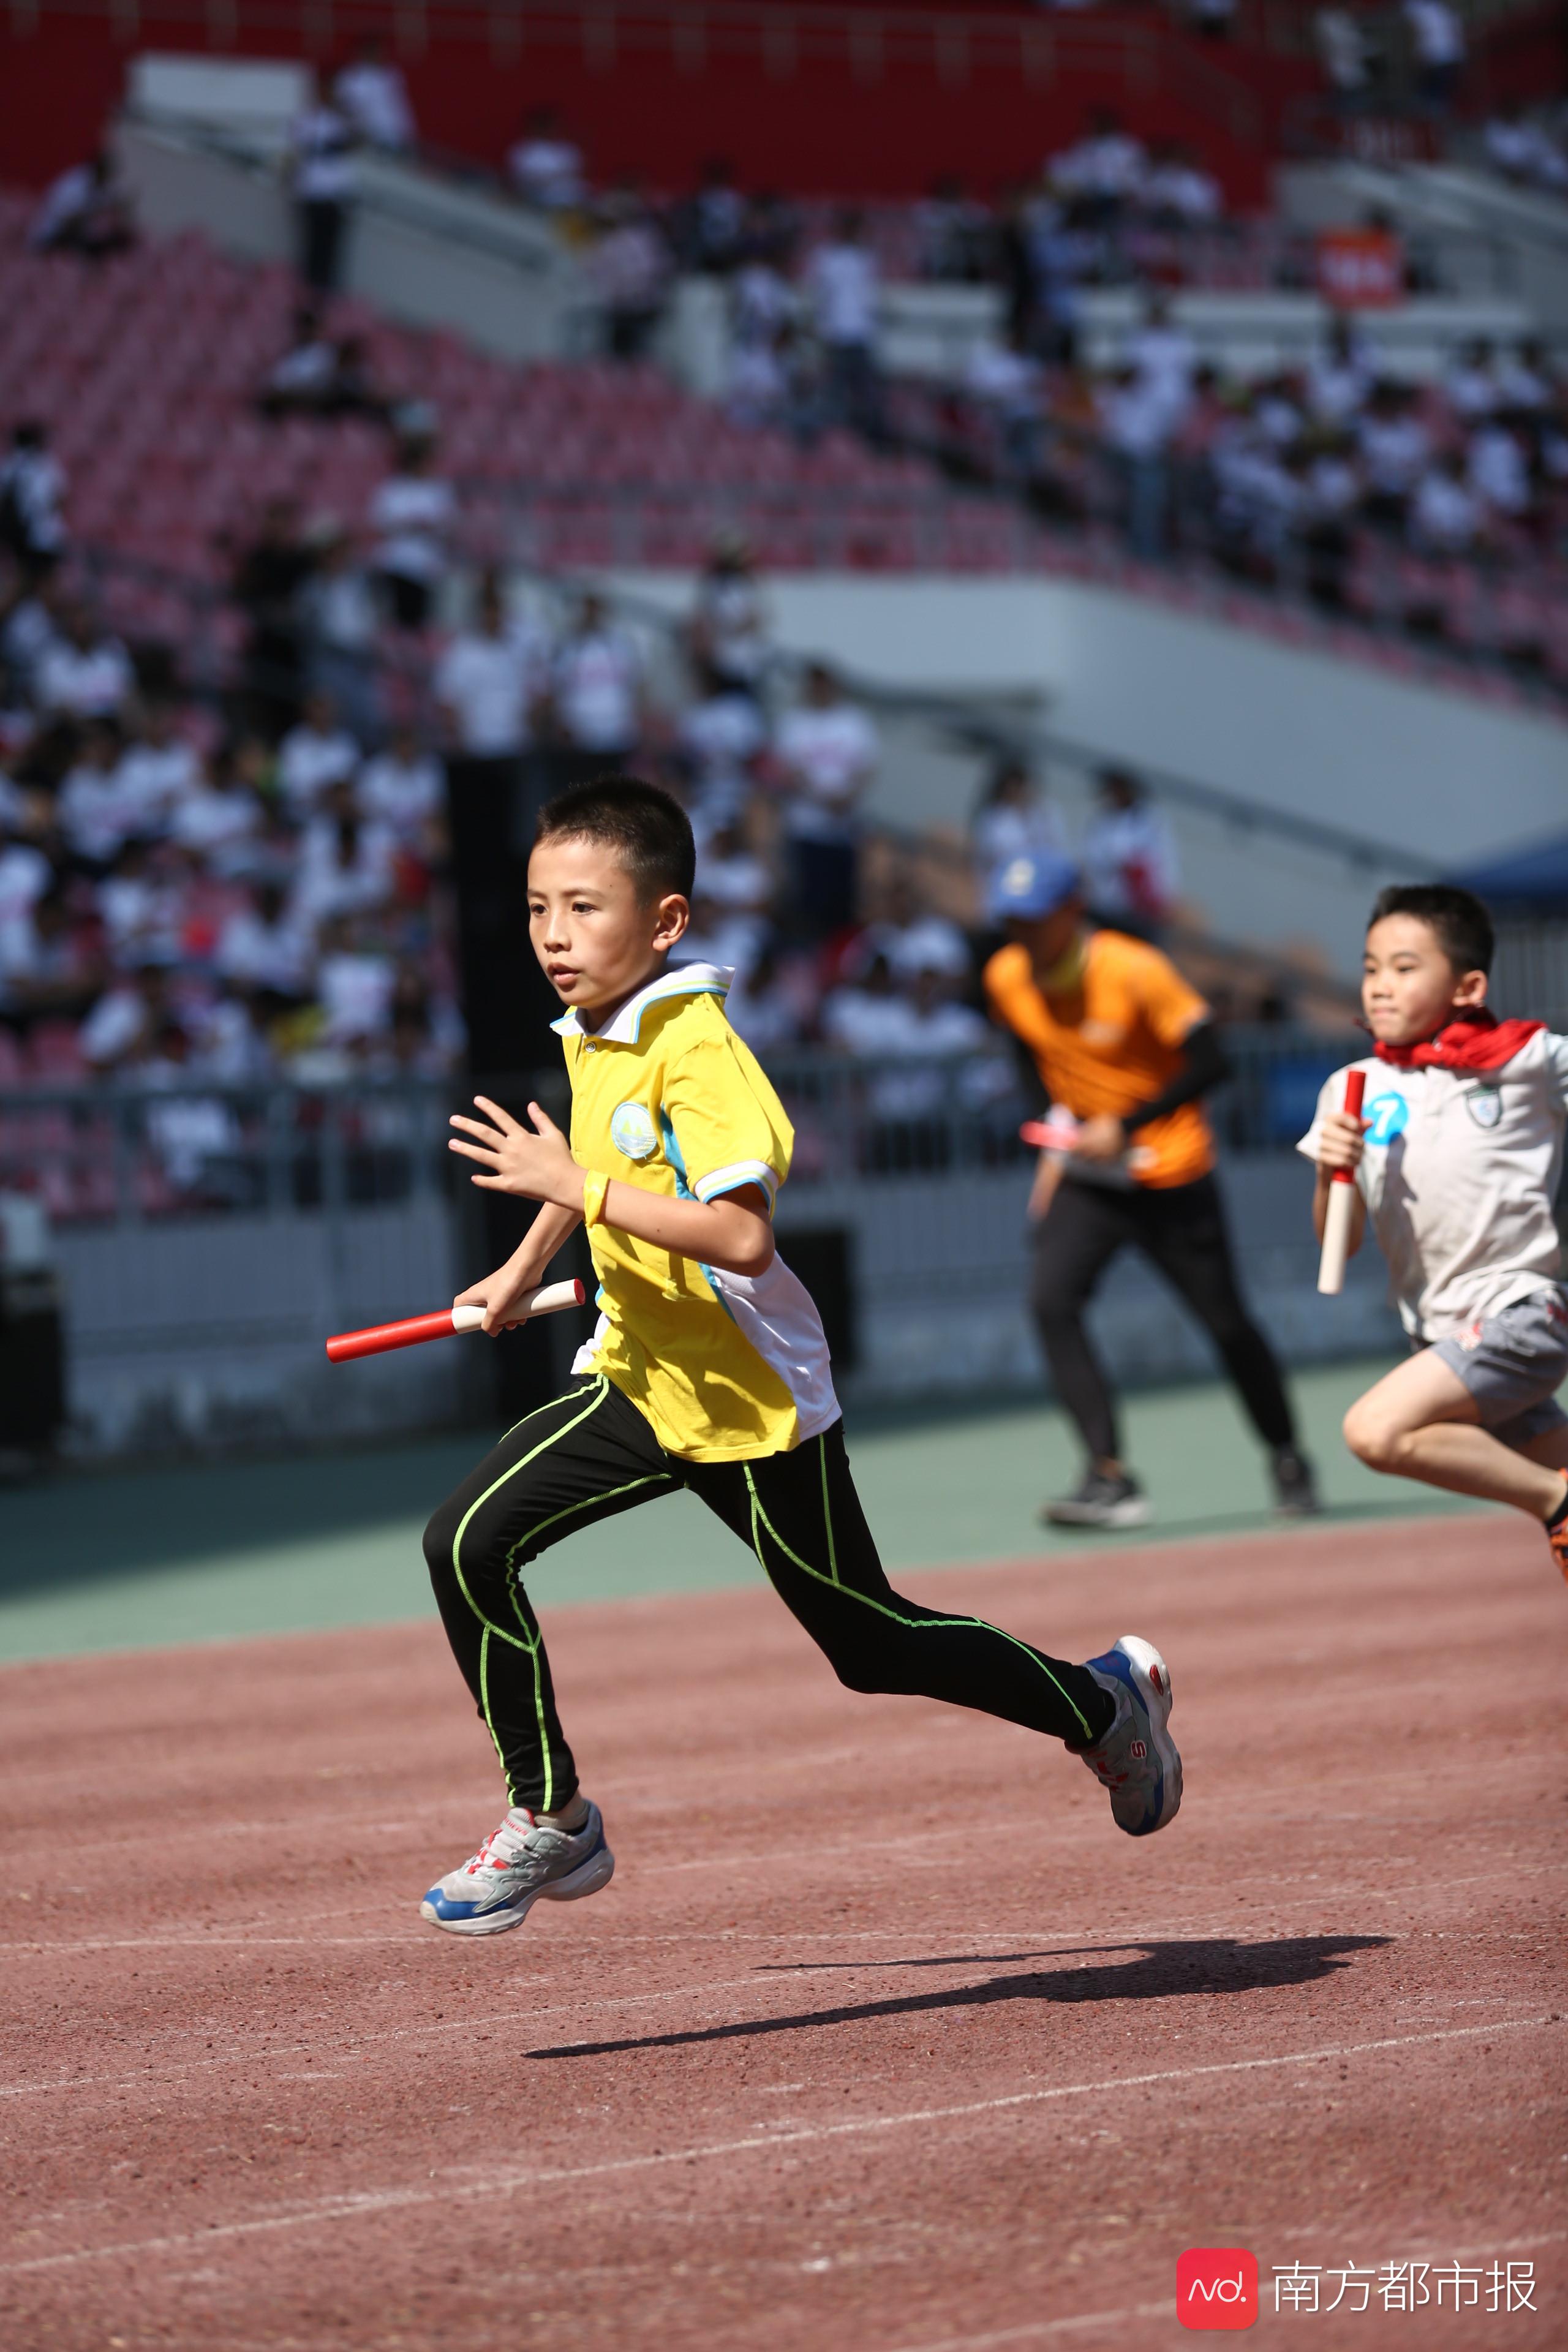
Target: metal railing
{"x": 110, "y": 1153}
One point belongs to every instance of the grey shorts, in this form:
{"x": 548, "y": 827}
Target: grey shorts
{"x": 1513, "y": 1363}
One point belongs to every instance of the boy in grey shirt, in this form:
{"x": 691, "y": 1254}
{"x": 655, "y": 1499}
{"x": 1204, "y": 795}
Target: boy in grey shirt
{"x": 1456, "y": 1159}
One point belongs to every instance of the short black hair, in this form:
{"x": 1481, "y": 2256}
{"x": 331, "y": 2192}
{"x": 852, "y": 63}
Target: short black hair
{"x": 1458, "y": 920}
{"x": 650, "y": 829}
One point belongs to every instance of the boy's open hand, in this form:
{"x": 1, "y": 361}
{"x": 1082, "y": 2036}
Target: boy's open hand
{"x": 1339, "y": 1143}
{"x": 535, "y": 1162}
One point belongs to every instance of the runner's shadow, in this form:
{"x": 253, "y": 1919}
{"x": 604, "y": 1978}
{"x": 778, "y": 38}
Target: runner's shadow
{"x": 1164, "y": 1971}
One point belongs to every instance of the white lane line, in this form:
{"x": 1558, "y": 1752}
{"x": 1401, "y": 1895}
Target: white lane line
{"x": 1032, "y": 2330}
{"x": 415, "y": 1938}
{"x": 356, "y": 2206}
{"x": 1059, "y": 1945}
{"x": 1077, "y": 1819}
{"x": 342, "y": 2046}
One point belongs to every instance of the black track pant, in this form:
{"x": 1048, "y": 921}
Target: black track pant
{"x": 590, "y": 1454}
{"x": 1182, "y": 1228}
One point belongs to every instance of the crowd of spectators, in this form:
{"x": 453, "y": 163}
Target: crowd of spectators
{"x": 1289, "y": 474}
{"x": 1529, "y": 146}
{"x": 194, "y": 895}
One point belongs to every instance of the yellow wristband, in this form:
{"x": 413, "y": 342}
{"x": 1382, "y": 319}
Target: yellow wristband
{"x": 594, "y": 1188}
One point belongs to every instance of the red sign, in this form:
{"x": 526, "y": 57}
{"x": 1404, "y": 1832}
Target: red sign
{"x": 1361, "y": 269}
{"x": 1217, "y": 2286}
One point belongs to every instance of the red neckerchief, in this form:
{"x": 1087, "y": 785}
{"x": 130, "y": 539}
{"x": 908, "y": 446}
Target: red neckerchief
{"x": 1476, "y": 1041}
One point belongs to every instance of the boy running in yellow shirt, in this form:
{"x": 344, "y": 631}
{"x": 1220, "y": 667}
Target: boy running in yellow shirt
{"x": 708, "y": 1370}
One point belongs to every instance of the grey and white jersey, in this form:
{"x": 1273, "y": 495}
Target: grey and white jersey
{"x": 1460, "y": 1175}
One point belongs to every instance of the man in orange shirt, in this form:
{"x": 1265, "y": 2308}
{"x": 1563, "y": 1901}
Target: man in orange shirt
{"x": 1125, "y": 1049}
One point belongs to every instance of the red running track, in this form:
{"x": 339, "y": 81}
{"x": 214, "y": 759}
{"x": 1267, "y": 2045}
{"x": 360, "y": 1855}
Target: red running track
{"x": 882, "y": 2039}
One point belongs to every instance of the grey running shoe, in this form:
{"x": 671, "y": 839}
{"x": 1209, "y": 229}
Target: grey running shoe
{"x": 497, "y": 1887}
{"x": 1294, "y": 1488}
{"x": 1137, "y": 1760}
{"x": 1102, "y": 1501}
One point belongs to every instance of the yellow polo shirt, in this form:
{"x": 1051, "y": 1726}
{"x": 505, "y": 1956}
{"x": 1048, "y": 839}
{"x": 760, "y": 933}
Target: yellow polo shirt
{"x": 725, "y": 1367}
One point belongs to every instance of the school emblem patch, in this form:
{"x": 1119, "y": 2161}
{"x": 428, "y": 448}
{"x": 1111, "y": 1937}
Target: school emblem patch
{"x": 633, "y": 1132}
{"x": 1484, "y": 1104}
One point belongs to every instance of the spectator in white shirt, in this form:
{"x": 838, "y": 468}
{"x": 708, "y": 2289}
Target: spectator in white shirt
{"x": 630, "y": 266}
{"x": 827, "y": 752}
{"x": 486, "y": 685}
{"x": 1178, "y": 192}
{"x": 728, "y": 630}
{"x": 757, "y": 392}
{"x": 1138, "y": 424}
{"x": 412, "y": 513}
{"x": 126, "y": 1018}
{"x": 264, "y": 950}
{"x": 1524, "y": 150}
{"x": 545, "y": 166}
{"x": 596, "y": 690}
{"x": 85, "y": 211}
{"x": 762, "y": 300}
{"x": 300, "y": 382}
{"x": 1471, "y": 385}
{"x": 843, "y": 290}
{"x": 1013, "y": 821}
{"x": 402, "y": 787}
{"x": 84, "y": 672}
{"x": 1525, "y": 381}
{"x": 321, "y": 145}
{"x": 1164, "y": 357}
{"x": 1103, "y": 174}
{"x": 1340, "y": 378}
{"x": 722, "y": 739}
{"x": 314, "y": 756}
{"x": 346, "y": 865}
{"x": 158, "y": 767}
{"x": 354, "y": 983}
{"x": 1343, "y": 52}
{"x": 338, "y": 624}
{"x": 1394, "y": 448}
{"x": 1129, "y": 859}
{"x": 1445, "y": 514}
{"x": 1500, "y": 472}
{"x": 26, "y": 875}
{"x": 1437, "y": 38}
{"x": 373, "y": 94}
{"x": 1003, "y": 377}
{"x": 32, "y": 502}
{"x": 91, "y": 807}
{"x": 222, "y": 820}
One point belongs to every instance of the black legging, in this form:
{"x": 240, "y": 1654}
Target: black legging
{"x": 590, "y": 1454}
{"x": 1182, "y": 1228}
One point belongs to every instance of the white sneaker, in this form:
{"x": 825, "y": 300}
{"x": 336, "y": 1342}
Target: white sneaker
{"x": 520, "y": 1861}
{"x": 1137, "y": 1760}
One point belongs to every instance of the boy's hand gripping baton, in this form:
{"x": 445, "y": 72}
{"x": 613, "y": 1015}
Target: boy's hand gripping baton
{"x": 381, "y": 1337}
{"x": 1341, "y": 1204}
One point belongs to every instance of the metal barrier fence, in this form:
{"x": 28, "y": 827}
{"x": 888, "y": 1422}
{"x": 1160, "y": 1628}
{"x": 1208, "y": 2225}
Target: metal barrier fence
{"x": 207, "y": 1239}
{"x": 118, "y": 1154}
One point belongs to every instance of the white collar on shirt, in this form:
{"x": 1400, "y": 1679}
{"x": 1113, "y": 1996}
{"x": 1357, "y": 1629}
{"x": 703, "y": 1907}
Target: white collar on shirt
{"x": 680, "y": 980}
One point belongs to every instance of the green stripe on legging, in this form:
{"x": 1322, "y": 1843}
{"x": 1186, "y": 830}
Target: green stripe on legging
{"x": 910, "y": 1624}
{"x": 527, "y": 1642}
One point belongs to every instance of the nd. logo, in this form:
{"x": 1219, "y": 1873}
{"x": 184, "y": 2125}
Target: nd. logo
{"x": 1217, "y": 2286}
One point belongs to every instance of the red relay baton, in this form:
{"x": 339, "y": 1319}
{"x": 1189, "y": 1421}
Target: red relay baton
{"x": 379, "y": 1338}
{"x": 1341, "y": 1204}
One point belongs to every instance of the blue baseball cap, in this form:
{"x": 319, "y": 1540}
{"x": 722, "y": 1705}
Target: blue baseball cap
{"x": 1032, "y": 886}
